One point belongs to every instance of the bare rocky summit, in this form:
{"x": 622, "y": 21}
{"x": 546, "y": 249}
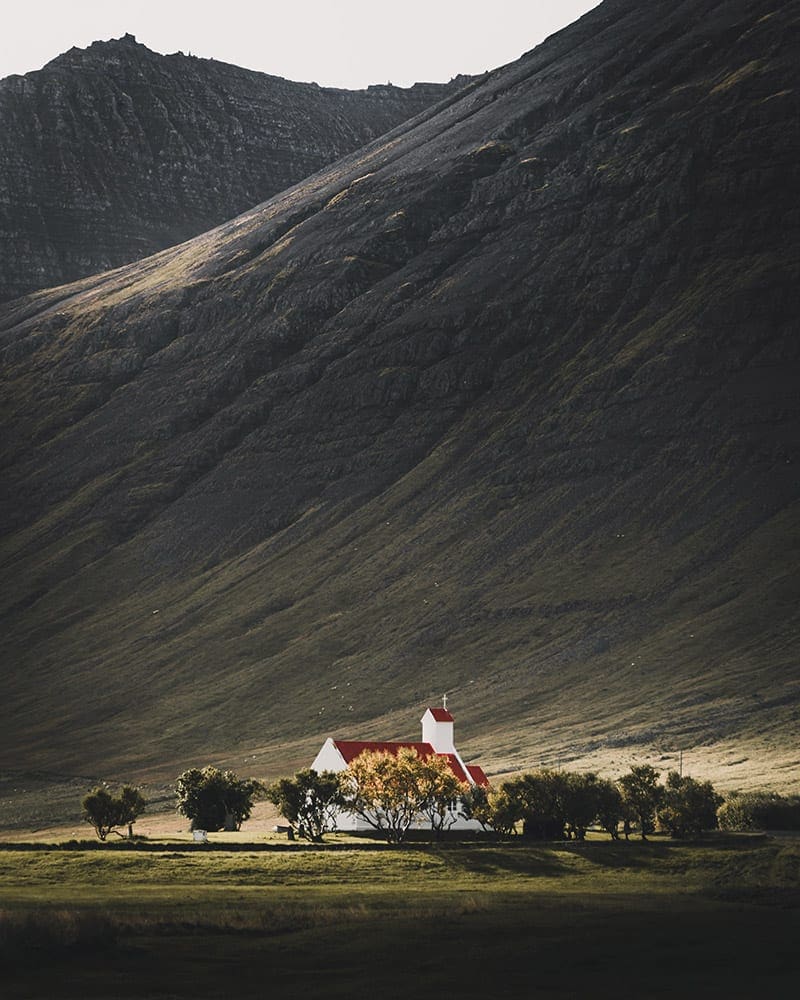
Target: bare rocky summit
{"x": 504, "y": 404}
{"x": 113, "y": 152}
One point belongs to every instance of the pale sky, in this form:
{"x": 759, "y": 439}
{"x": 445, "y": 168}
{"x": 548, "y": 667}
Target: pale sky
{"x": 338, "y": 43}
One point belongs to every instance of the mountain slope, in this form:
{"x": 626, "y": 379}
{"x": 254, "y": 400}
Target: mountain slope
{"x": 503, "y": 404}
{"x": 113, "y": 152}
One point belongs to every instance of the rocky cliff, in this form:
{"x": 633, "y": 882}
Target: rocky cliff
{"x": 113, "y": 152}
{"x": 503, "y": 404}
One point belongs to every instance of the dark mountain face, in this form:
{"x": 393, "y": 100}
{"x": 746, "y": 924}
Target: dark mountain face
{"x": 504, "y": 404}
{"x": 113, "y": 152}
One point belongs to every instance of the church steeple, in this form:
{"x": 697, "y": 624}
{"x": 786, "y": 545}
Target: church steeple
{"x": 437, "y": 729}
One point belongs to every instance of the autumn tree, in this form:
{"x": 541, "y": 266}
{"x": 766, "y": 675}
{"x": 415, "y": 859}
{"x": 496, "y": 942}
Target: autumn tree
{"x": 390, "y": 791}
{"x": 309, "y": 801}
{"x": 642, "y": 795}
{"x": 214, "y": 799}
{"x": 506, "y": 808}
{"x": 439, "y": 792}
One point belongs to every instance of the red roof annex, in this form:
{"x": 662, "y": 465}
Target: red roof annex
{"x": 350, "y": 749}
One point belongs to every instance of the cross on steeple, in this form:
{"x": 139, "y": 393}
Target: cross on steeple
{"x": 444, "y": 702}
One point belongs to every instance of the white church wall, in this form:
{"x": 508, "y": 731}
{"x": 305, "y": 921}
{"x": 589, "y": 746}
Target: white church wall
{"x": 438, "y": 734}
{"x": 328, "y": 758}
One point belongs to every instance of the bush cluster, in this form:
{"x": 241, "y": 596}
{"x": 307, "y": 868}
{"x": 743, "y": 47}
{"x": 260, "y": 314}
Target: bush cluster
{"x": 553, "y": 805}
{"x": 759, "y": 811}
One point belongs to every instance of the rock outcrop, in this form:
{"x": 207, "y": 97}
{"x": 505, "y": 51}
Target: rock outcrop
{"x": 503, "y": 404}
{"x": 111, "y": 153}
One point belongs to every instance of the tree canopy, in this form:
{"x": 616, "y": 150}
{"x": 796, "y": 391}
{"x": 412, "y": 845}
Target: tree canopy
{"x": 688, "y": 806}
{"x": 309, "y": 801}
{"x": 439, "y": 791}
{"x": 553, "y": 804}
{"x": 105, "y": 811}
{"x": 475, "y": 805}
{"x": 549, "y": 804}
{"x": 506, "y": 807}
{"x": 610, "y": 810}
{"x": 214, "y": 799}
{"x": 389, "y": 791}
{"x": 642, "y": 794}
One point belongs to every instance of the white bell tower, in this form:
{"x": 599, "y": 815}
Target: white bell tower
{"x": 437, "y": 728}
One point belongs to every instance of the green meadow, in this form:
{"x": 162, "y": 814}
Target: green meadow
{"x": 658, "y": 919}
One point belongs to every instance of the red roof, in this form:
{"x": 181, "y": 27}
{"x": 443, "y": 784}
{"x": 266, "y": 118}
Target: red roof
{"x": 441, "y": 714}
{"x": 477, "y": 775}
{"x": 350, "y": 749}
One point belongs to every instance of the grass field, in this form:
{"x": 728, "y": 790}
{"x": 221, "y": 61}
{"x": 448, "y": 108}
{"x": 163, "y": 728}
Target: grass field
{"x": 494, "y": 920}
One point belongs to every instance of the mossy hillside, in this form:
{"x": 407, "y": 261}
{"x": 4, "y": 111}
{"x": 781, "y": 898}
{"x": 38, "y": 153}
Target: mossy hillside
{"x": 527, "y": 439}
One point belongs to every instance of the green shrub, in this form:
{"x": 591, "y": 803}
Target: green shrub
{"x": 759, "y": 811}
{"x": 309, "y": 801}
{"x": 214, "y": 799}
{"x": 688, "y": 807}
{"x": 105, "y": 811}
{"x": 641, "y": 796}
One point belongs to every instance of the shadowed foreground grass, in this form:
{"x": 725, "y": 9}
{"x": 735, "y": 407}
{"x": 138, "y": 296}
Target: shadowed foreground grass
{"x": 647, "y": 920}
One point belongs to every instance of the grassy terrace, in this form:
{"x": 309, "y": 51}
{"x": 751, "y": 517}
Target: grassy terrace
{"x": 658, "y": 919}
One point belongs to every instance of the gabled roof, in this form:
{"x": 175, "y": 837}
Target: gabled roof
{"x": 441, "y": 714}
{"x": 350, "y": 749}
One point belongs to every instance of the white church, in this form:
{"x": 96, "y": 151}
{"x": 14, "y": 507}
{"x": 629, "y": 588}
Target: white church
{"x": 437, "y": 738}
